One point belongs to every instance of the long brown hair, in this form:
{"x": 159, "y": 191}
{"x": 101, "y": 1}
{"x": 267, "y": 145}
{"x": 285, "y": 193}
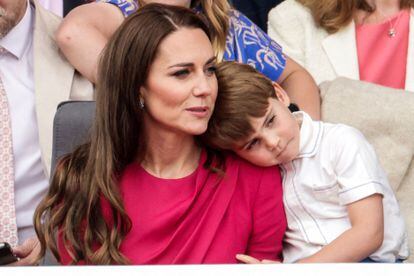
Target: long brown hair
{"x": 72, "y": 208}
{"x": 333, "y": 15}
{"x": 243, "y": 94}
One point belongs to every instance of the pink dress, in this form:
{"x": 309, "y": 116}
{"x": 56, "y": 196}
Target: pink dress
{"x": 383, "y": 59}
{"x": 202, "y": 218}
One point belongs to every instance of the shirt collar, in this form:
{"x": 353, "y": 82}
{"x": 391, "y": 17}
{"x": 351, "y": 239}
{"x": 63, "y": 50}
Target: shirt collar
{"x": 13, "y": 41}
{"x": 310, "y": 134}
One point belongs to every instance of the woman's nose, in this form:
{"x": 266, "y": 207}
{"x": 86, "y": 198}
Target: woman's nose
{"x": 203, "y": 86}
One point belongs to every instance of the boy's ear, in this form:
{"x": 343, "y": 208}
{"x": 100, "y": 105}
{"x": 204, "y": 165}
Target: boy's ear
{"x": 281, "y": 94}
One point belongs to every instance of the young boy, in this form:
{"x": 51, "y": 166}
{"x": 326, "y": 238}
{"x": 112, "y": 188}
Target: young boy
{"x": 339, "y": 205}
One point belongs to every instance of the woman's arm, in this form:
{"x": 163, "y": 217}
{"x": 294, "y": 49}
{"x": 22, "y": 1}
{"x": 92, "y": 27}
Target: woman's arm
{"x": 361, "y": 240}
{"x": 84, "y": 32}
{"x": 256, "y": 48}
{"x": 301, "y": 88}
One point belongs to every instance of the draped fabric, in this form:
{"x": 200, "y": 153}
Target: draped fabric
{"x": 203, "y": 217}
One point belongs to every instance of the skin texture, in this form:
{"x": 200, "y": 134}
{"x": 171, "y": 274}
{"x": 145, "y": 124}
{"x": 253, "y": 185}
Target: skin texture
{"x": 179, "y": 81}
{"x": 11, "y": 12}
{"x": 179, "y": 97}
{"x": 82, "y": 36}
{"x": 276, "y": 135}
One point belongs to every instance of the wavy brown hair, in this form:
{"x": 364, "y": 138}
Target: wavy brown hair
{"x": 243, "y": 94}
{"x": 71, "y": 211}
{"x": 333, "y": 15}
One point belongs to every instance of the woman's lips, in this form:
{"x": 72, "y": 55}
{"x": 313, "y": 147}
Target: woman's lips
{"x": 199, "y": 111}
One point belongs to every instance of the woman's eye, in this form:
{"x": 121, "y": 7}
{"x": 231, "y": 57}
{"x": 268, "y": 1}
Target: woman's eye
{"x": 181, "y": 73}
{"x": 252, "y": 144}
{"x": 211, "y": 70}
{"x": 270, "y": 122}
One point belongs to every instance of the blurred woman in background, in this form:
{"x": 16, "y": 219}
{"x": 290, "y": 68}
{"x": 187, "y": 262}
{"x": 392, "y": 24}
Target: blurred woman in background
{"x": 369, "y": 40}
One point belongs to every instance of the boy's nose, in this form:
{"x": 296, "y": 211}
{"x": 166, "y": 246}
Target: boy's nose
{"x": 272, "y": 142}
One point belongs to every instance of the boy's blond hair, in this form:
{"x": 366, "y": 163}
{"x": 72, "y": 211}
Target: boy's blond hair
{"x": 243, "y": 93}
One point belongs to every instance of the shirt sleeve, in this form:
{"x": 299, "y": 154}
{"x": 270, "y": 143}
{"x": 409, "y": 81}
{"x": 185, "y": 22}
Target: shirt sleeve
{"x": 269, "y": 219}
{"x": 356, "y": 166}
{"x": 247, "y": 43}
{"x": 127, "y": 7}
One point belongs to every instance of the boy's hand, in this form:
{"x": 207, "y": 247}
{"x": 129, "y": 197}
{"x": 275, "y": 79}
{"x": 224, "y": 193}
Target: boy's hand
{"x": 250, "y": 260}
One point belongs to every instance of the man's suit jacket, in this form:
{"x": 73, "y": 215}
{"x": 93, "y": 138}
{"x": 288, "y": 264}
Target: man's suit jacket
{"x": 55, "y": 79}
{"x": 325, "y": 56}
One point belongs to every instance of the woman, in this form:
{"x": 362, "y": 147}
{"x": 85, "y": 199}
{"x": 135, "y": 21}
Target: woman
{"x": 370, "y": 40}
{"x": 144, "y": 190}
{"x": 86, "y": 30}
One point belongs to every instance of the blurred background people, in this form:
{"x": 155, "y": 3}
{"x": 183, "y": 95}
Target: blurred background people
{"x": 55, "y": 6}
{"x": 256, "y": 10}
{"x": 370, "y": 40}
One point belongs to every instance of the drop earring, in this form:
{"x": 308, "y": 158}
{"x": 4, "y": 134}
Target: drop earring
{"x": 141, "y": 103}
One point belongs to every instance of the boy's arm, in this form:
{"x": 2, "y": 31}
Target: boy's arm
{"x": 84, "y": 32}
{"x": 362, "y": 239}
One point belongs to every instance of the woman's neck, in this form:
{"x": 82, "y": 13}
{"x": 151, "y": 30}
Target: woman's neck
{"x": 383, "y": 10}
{"x": 170, "y": 154}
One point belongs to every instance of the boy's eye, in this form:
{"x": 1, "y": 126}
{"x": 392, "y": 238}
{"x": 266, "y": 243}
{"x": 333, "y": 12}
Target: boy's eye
{"x": 252, "y": 144}
{"x": 181, "y": 73}
{"x": 270, "y": 122}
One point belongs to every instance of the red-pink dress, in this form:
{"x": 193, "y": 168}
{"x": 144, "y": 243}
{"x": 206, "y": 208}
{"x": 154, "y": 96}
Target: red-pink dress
{"x": 202, "y": 218}
{"x": 383, "y": 59}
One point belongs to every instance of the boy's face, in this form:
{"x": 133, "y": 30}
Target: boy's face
{"x": 275, "y": 137}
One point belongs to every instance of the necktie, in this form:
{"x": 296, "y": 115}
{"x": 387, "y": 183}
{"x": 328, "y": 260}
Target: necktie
{"x": 8, "y": 227}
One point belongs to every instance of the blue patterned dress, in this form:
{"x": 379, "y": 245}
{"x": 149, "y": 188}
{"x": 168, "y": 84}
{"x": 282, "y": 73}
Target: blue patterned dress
{"x": 245, "y": 43}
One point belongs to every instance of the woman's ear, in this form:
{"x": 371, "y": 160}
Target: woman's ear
{"x": 281, "y": 95}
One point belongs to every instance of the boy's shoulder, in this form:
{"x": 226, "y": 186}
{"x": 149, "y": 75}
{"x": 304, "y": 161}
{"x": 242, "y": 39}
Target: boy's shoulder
{"x": 341, "y": 134}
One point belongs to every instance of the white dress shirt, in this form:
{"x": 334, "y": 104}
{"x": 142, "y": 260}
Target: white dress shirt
{"x": 55, "y": 6}
{"x": 336, "y": 166}
{"x": 16, "y": 69}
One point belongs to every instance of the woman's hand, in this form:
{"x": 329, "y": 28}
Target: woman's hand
{"x": 251, "y": 260}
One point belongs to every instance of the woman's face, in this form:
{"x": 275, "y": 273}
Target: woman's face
{"x": 181, "y": 87}
{"x": 182, "y": 3}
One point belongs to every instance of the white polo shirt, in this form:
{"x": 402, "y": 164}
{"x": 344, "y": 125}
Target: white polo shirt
{"x": 335, "y": 167}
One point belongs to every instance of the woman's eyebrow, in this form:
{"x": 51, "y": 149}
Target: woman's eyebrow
{"x": 211, "y": 60}
{"x": 188, "y": 64}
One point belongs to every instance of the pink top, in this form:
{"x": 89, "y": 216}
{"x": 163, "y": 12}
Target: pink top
{"x": 383, "y": 59}
{"x": 202, "y": 218}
